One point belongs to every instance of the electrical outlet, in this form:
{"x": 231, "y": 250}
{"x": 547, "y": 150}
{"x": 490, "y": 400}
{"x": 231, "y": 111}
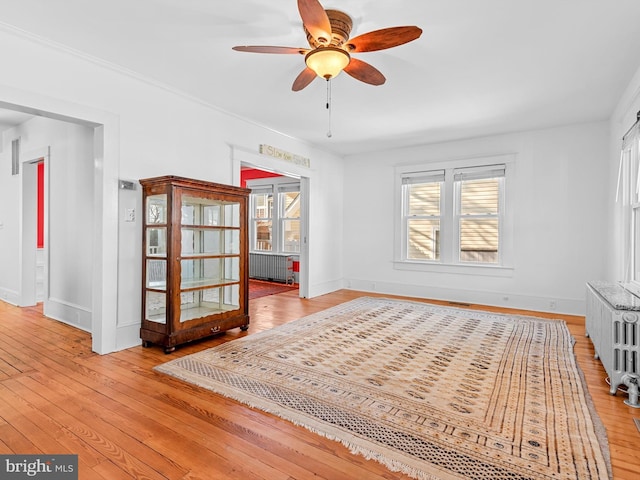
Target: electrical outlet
{"x": 552, "y": 305}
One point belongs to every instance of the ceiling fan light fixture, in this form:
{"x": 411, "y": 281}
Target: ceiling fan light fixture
{"x": 327, "y": 62}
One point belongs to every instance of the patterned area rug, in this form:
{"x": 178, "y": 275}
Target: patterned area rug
{"x": 435, "y": 392}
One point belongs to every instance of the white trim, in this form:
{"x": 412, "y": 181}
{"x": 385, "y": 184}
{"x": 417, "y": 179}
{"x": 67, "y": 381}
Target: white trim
{"x": 447, "y": 264}
{"x": 274, "y": 186}
{"x": 28, "y": 224}
{"x": 571, "y": 306}
{"x": 10, "y": 296}
{"x": 461, "y": 269}
{"x": 104, "y": 326}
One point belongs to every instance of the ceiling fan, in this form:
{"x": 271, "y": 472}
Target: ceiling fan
{"x": 331, "y": 48}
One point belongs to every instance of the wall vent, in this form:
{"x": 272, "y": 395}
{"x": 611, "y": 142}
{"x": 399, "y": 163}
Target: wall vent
{"x": 15, "y": 156}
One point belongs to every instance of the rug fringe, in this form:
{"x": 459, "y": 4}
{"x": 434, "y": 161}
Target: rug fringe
{"x": 282, "y": 413}
{"x": 598, "y": 425}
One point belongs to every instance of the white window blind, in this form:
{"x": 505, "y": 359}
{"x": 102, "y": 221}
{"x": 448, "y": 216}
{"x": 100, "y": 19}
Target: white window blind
{"x": 423, "y": 177}
{"x": 479, "y": 173}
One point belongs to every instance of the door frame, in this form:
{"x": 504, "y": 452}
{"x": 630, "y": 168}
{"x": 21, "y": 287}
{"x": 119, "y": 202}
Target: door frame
{"x": 242, "y": 156}
{"x": 106, "y": 127}
{"x": 28, "y": 226}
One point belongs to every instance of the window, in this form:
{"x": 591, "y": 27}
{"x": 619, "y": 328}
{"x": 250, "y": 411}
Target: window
{"x": 262, "y": 220}
{"x": 423, "y": 205}
{"x": 289, "y": 201}
{"x": 478, "y": 213}
{"x": 454, "y": 215}
{"x": 628, "y": 197}
{"x": 275, "y": 218}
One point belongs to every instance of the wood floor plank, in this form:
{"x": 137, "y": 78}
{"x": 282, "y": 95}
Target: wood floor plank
{"x": 17, "y": 441}
{"x": 188, "y": 409}
{"x": 22, "y": 416}
{"x": 126, "y": 421}
{"x": 103, "y": 430}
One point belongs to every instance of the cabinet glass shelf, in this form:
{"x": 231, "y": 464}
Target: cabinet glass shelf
{"x": 194, "y": 305}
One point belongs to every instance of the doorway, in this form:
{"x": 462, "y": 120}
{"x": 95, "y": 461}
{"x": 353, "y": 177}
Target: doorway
{"x": 242, "y": 158}
{"x": 275, "y": 219}
{"x": 33, "y": 249}
{"x": 100, "y": 318}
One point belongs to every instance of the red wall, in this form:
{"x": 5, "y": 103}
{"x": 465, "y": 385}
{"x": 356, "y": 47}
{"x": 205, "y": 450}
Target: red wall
{"x": 253, "y": 173}
{"x": 41, "y": 205}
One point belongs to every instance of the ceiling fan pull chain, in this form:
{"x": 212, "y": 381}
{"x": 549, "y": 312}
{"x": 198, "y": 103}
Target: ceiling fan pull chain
{"x": 329, "y": 105}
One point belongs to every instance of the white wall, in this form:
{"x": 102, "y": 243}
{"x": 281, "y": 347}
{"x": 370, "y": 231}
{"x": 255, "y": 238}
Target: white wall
{"x": 559, "y": 204}
{"x": 10, "y": 192}
{"x": 151, "y": 130}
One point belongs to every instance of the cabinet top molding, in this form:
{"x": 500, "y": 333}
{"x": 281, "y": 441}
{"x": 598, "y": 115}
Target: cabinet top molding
{"x": 193, "y": 183}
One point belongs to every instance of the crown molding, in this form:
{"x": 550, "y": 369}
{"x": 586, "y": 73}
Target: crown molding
{"x": 60, "y": 47}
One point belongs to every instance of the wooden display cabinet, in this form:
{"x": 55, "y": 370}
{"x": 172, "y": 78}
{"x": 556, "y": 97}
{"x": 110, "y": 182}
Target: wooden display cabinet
{"x": 196, "y": 263}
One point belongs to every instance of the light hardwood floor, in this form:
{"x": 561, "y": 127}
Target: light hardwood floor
{"x": 126, "y": 421}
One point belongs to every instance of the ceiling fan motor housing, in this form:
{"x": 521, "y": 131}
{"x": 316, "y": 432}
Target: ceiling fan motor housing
{"x": 341, "y": 25}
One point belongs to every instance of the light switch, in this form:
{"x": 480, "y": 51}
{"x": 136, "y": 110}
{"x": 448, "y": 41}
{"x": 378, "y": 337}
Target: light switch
{"x": 130, "y": 215}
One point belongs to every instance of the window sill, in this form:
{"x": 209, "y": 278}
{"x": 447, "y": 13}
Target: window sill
{"x": 459, "y": 269}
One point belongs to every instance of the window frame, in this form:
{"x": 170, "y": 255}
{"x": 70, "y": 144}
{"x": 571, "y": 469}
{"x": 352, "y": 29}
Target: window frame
{"x": 282, "y": 190}
{"x": 449, "y": 232}
{"x": 253, "y": 219}
{"x": 432, "y": 176}
{"x": 277, "y": 187}
{"x": 628, "y": 197}
{"x": 484, "y": 172}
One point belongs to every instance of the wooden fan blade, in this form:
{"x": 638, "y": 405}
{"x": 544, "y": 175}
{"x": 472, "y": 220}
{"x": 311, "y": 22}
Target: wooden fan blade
{"x": 364, "y": 72}
{"x": 315, "y": 20}
{"x": 269, "y": 49}
{"x": 305, "y": 78}
{"x": 384, "y": 38}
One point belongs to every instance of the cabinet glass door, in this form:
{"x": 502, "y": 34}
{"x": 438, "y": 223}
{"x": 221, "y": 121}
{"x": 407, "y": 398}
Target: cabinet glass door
{"x": 156, "y": 258}
{"x": 210, "y": 257}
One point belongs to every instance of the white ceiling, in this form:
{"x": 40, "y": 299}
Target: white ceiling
{"x": 480, "y": 67}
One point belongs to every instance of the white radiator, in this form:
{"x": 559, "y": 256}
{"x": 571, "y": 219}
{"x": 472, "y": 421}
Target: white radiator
{"x": 615, "y": 333}
{"x": 277, "y": 268}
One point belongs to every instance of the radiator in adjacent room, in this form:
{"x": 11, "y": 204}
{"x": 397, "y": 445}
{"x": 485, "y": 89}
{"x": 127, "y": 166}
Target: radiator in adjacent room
{"x": 613, "y": 324}
{"x": 278, "y": 268}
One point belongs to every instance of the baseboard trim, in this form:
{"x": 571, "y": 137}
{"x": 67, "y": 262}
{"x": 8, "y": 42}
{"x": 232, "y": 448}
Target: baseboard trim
{"x": 568, "y": 306}
{"x": 10, "y": 296}
{"x": 69, "y": 313}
